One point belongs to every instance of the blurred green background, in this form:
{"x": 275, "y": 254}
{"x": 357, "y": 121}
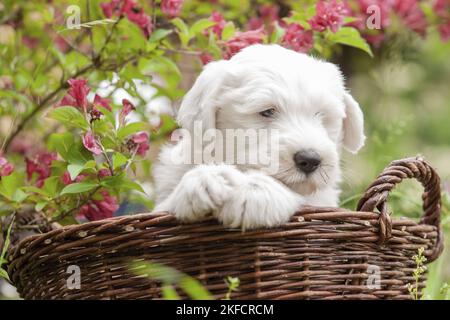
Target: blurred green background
{"x": 405, "y": 96}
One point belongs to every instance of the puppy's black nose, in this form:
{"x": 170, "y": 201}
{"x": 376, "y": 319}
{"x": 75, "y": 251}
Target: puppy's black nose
{"x": 307, "y": 160}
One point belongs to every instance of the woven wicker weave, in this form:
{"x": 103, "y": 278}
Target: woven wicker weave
{"x": 322, "y": 253}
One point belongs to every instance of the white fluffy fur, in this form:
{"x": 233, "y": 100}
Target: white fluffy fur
{"x": 313, "y": 111}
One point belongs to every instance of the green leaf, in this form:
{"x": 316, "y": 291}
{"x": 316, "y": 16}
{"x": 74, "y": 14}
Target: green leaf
{"x": 131, "y": 185}
{"x": 169, "y": 293}
{"x": 68, "y": 220}
{"x": 108, "y": 114}
{"x": 159, "y": 35}
{"x": 69, "y": 116}
{"x": 74, "y": 170}
{"x": 61, "y": 143}
{"x": 183, "y": 30}
{"x": 79, "y": 187}
{"x": 119, "y": 160}
{"x": 40, "y": 205}
{"x": 4, "y": 274}
{"x": 35, "y": 190}
{"x": 131, "y": 128}
{"x": 19, "y": 196}
{"x": 277, "y": 34}
{"x": 90, "y": 164}
{"x": 51, "y": 186}
{"x": 10, "y": 184}
{"x": 195, "y": 289}
{"x": 6, "y": 243}
{"x": 350, "y": 37}
{"x": 199, "y": 26}
{"x": 170, "y": 276}
{"x": 228, "y": 31}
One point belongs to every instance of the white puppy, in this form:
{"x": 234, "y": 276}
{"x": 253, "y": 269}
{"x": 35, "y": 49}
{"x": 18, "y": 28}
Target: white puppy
{"x": 304, "y": 103}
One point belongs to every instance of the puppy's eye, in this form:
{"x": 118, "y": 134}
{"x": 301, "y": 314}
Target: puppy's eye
{"x": 319, "y": 114}
{"x": 268, "y": 113}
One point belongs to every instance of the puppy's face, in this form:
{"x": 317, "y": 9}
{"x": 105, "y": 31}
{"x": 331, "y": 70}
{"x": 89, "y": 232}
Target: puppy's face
{"x": 301, "y": 101}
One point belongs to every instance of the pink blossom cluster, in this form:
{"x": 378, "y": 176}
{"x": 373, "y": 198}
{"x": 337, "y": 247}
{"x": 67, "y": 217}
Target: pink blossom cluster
{"x": 409, "y": 12}
{"x": 130, "y": 9}
{"x": 231, "y": 46}
{"x": 6, "y": 168}
{"x": 39, "y": 166}
{"x": 77, "y": 97}
{"x": 102, "y": 206}
{"x": 97, "y": 209}
{"x": 442, "y": 10}
{"x": 171, "y": 8}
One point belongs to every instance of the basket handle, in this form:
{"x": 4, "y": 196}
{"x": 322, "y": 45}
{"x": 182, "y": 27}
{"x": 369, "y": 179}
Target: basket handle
{"x": 377, "y": 194}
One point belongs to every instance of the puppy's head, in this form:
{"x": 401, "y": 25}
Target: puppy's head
{"x": 300, "y": 99}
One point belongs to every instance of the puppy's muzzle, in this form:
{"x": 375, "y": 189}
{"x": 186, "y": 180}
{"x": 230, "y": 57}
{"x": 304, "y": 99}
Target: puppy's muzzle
{"x": 307, "y": 161}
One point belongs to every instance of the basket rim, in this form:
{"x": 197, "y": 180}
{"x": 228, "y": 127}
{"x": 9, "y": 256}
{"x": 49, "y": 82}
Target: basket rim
{"x": 142, "y": 221}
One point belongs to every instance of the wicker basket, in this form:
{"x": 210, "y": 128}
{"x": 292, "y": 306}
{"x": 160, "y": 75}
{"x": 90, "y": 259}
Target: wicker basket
{"x": 322, "y": 253}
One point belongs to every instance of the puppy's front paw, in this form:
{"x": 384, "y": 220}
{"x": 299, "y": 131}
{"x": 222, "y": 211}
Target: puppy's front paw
{"x": 202, "y": 191}
{"x": 260, "y": 201}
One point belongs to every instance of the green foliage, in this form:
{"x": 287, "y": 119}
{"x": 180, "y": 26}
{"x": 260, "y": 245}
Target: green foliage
{"x": 350, "y": 37}
{"x": 171, "y": 278}
{"x": 420, "y": 269}
{"x": 69, "y": 116}
{"x": 3, "y": 273}
{"x": 233, "y": 285}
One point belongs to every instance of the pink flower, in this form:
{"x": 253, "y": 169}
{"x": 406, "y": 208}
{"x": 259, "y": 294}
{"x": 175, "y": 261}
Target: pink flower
{"x": 6, "y": 168}
{"x": 61, "y": 44}
{"x": 77, "y": 94}
{"x": 111, "y": 8}
{"x": 442, "y": 8}
{"x": 105, "y": 103}
{"x": 384, "y": 6}
{"x": 412, "y": 15}
{"x": 91, "y": 144}
{"x": 131, "y": 11}
{"x": 30, "y": 42}
{"x": 98, "y": 101}
{"x": 329, "y": 14}
{"x": 255, "y": 23}
{"x": 297, "y": 38}
{"x": 127, "y": 107}
{"x": 268, "y": 14}
{"x": 100, "y": 209}
{"x": 140, "y": 142}
{"x": 206, "y": 58}
{"x": 220, "y": 23}
{"x": 444, "y": 31}
{"x": 171, "y": 8}
{"x": 374, "y": 39}
{"x": 242, "y": 40}
{"x": 103, "y": 173}
{"x": 22, "y": 144}
{"x": 141, "y": 20}
{"x": 67, "y": 180}
{"x": 40, "y": 164}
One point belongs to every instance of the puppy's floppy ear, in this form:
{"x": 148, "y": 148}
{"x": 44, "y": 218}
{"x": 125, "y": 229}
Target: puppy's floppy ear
{"x": 200, "y": 103}
{"x": 353, "y": 126}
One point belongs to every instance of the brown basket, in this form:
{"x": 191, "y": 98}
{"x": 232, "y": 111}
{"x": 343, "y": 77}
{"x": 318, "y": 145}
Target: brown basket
{"x": 322, "y": 253}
